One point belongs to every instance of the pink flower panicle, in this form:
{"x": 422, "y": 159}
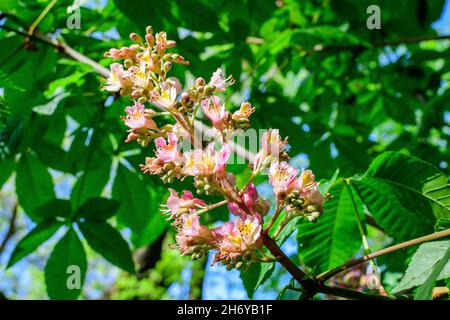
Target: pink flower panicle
{"x": 142, "y": 76}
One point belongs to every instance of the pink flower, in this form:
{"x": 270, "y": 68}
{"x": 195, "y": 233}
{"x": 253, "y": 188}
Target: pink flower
{"x": 221, "y": 161}
{"x": 250, "y": 196}
{"x": 131, "y": 136}
{"x": 189, "y": 226}
{"x": 271, "y": 148}
{"x": 219, "y": 81}
{"x": 122, "y": 53}
{"x": 312, "y": 197}
{"x": 136, "y": 118}
{"x": 214, "y": 109}
{"x": 244, "y": 112}
{"x": 152, "y": 165}
{"x": 118, "y": 78}
{"x": 165, "y": 97}
{"x": 177, "y": 205}
{"x": 249, "y": 199}
{"x": 236, "y": 238}
{"x": 207, "y": 162}
{"x": 175, "y": 83}
{"x": 283, "y": 178}
{"x": 307, "y": 179}
{"x": 168, "y": 152}
{"x": 235, "y": 209}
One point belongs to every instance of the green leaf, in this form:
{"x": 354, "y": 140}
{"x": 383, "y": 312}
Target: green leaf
{"x": 34, "y": 184}
{"x": 325, "y": 187}
{"x": 7, "y": 83}
{"x": 50, "y": 107}
{"x": 98, "y": 209}
{"x": 137, "y": 210}
{"x": 404, "y": 194}
{"x": 65, "y": 270}
{"x": 442, "y": 224}
{"x": 255, "y": 276}
{"x": 424, "y": 292}
{"x": 54, "y": 208}
{"x": 41, "y": 233}
{"x": 108, "y": 242}
{"x": 426, "y": 259}
{"x": 7, "y": 167}
{"x": 335, "y": 237}
{"x": 94, "y": 182}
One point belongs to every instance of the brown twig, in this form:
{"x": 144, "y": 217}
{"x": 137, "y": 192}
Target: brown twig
{"x": 307, "y": 283}
{"x": 328, "y": 274}
{"x": 11, "y": 229}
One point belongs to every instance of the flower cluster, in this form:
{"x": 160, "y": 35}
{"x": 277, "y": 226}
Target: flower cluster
{"x": 143, "y": 77}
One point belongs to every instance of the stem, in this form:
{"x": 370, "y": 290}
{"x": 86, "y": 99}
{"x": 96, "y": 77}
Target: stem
{"x": 308, "y": 283}
{"x": 90, "y": 154}
{"x": 213, "y": 206}
{"x": 330, "y": 273}
{"x": 351, "y": 294}
{"x": 358, "y": 219}
{"x": 249, "y": 181}
{"x": 11, "y": 228}
{"x": 277, "y": 212}
{"x": 194, "y": 113}
{"x": 41, "y": 17}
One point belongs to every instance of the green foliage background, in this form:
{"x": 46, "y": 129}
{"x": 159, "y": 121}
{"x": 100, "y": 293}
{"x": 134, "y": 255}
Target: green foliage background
{"x": 345, "y": 95}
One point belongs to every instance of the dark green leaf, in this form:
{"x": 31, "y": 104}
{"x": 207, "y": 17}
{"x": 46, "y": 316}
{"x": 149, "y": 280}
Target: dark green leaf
{"x": 54, "y": 208}
{"x": 41, "y": 233}
{"x": 34, "y": 184}
{"x": 335, "y": 237}
{"x": 98, "y": 209}
{"x": 65, "y": 270}
{"x": 108, "y": 242}
{"x": 404, "y": 194}
{"x": 256, "y": 275}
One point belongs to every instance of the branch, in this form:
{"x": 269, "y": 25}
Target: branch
{"x": 11, "y": 229}
{"x": 307, "y": 283}
{"x": 330, "y": 273}
{"x": 351, "y": 294}
{"x": 357, "y": 47}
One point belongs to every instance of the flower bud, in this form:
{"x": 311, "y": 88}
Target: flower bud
{"x": 135, "y": 47}
{"x": 200, "y": 82}
{"x": 142, "y": 100}
{"x": 167, "y": 66}
{"x": 135, "y": 37}
{"x": 209, "y": 90}
{"x": 149, "y": 30}
{"x": 128, "y": 63}
{"x": 150, "y": 39}
{"x": 184, "y": 98}
{"x": 312, "y": 208}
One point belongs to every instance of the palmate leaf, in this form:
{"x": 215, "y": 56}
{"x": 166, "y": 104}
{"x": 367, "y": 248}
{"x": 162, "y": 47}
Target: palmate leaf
{"x": 138, "y": 207}
{"x": 67, "y": 257}
{"x": 429, "y": 257}
{"x": 404, "y": 194}
{"x": 255, "y": 276}
{"x": 335, "y": 237}
{"x": 34, "y": 185}
{"x": 41, "y": 233}
{"x": 108, "y": 242}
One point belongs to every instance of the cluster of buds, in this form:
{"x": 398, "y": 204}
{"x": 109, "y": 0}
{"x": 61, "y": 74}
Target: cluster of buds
{"x": 143, "y": 77}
